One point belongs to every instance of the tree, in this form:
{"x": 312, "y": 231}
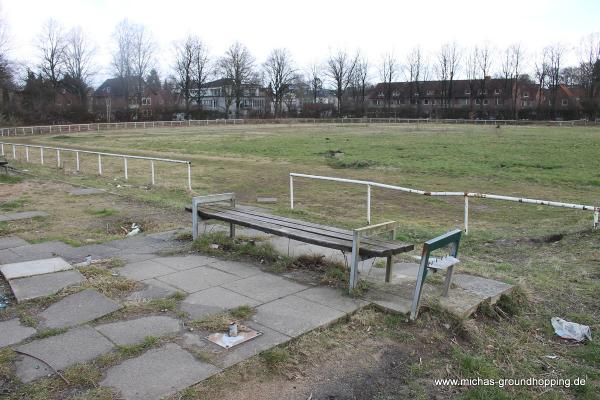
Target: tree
{"x": 359, "y": 83}
{"x": 52, "y": 45}
{"x": 133, "y": 56}
{"x": 78, "y": 57}
{"x": 447, "y": 68}
{"x": 201, "y": 69}
{"x": 416, "y": 72}
{"x": 555, "y": 54}
{"x": 387, "y": 73}
{"x": 237, "y": 66}
{"x": 511, "y": 70}
{"x": 280, "y": 73}
{"x": 315, "y": 83}
{"x": 340, "y": 68}
{"x": 185, "y": 58}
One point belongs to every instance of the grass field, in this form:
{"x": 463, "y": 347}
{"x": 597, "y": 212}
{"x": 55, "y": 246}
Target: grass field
{"x": 553, "y": 254}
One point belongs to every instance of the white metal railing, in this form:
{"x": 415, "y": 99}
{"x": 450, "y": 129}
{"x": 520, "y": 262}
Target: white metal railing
{"x": 466, "y": 195}
{"x": 100, "y": 154}
{"x": 97, "y": 127}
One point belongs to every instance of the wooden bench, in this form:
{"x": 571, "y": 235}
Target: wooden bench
{"x": 360, "y": 241}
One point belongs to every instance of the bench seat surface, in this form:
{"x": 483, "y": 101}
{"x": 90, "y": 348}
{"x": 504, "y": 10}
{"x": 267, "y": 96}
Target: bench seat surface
{"x": 308, "y": 232}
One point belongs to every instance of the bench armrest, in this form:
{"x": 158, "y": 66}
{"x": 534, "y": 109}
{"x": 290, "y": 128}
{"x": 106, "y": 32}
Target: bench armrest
{"x": 211, "y": 198}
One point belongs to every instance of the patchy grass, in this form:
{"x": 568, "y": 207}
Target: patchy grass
{"x": 101, "y": 278}
{"x": 10, "y": 179}
{"x": 86, "y": 375}
{"x": 12, "y": 205}
{"x": 133, "y": 350}
{"x": 7, "y": 357}
{"x": 44, "y": 333}
{"x": 103, "y": 212}
{"x": 275, "y": 357}
{"x": 221, "y": 321}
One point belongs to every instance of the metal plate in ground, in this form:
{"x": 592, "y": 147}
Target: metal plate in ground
{"x": 224, "y": 340}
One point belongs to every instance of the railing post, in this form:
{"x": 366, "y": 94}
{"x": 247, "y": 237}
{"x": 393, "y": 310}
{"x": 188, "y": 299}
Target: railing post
{"x": 152, "y": 171}
{"x": 368, "y": 204}
{"x": 466, "y": 214}
{"x": 291, "y": 191}
{"x": 26, "y": 153}
{"x": 77, "y": 161}
{"x": 58, "y": 158}
{"x": 125, "y": 164}
{"x": 596, "y": 216}
{"x": 99, "y": 164}
{"x": 42, "y": 155}
{"x": 2, "y": 149}
{"x": 14, "y": 152}
{"x": 189, "y": 168}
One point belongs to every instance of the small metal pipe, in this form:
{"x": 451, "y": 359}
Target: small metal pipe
{"x": 466, "y": 215}
{"x": 125, "y": 165}
{"x": 189, "y": 171}
{"x": 14, "y": 152}
{"x": 368, "y": 204}
{"x": 77, "y": 161}
{"x": 58, "y": 158}
{"x": 42, "y": 155}
{"x": 152, "y": 169}
{"x": 26, "y": 153}
{"x": 291, "y": 191}
{"x": 99, "y": 164}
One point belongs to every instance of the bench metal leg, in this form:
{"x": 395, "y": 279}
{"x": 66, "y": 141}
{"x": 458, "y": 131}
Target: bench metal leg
{"x": 422, "y": 274}
{"x": 448, "y": 280}
{"x": 195, "y": 219}
{"x": 354, "y": 262}
{"x": 388, "y": 269}
{"x": 231, "y": 230}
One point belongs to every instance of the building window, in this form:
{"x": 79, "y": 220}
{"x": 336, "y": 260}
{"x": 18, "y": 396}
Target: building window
{"x": 525, "y": 103}
{"x": 380, "y": 94}
{"x": 467, "y": 91}
{"x": 485, "y": 102}
{"x": 497, "y": 91}
{"x": 429, "y": 92}
{"x": 525, "y": 94}
{"x": 466, "y": 102}
{"x": 146, "y": 101}
{"x": 433, "y": 102}
{"x": 499, "y": 102}
{"x": 425, "y": 101}
{"x": 477, "y": 101}
{"x": 565, "y": 102}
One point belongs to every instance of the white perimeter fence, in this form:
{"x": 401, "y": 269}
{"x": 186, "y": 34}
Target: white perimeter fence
{"x": 466, "y": 195}
{"x": 77, "y": 152}
{"x": 97, "y": 127}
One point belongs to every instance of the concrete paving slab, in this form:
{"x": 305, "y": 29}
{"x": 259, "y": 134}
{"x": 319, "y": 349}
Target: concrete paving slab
{"x": 96, "y": 251}
{"x": 157, "y": 373}
{"x": 264, "y": 287}
{"x": 75, "y": 346}
{"x": 143, "y": 270}
{"x": 401, "y": 272}
{"x": 22, "y": 215}
{"x": 293, "y": 315}
{"x": 154, "y": 289}
{"x": 11, "y": 241}
{"x": 239, "y": 353}
{"x": 13, "y": 332}
{"x": 33, "y": 287}
{"x": 31, "y": 268}
{"x": 165, "y": 236}
{"x": 242, "y": 270}
{"x": 334, "y": 298}
{"x": 395, "y": 304}
{"x": 134, "y": 257}
{"x": 461, "y": 302}
{"x": 196, "y": 279}
{"x": 40, "y": 251}
{"x": 86, "y": 191}
{"x": 266, "y": 200}
{"x": 7, "y": 256}
{"x": 78, "y": 308}
{"x": 214, "y": 300}
{"x": 135, "y": 330}
{"x": 181, "y": 263}
{"x": 487, "y": 288}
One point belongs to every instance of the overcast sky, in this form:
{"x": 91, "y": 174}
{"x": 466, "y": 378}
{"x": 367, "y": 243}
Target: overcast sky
{"x": 310, "y": 29}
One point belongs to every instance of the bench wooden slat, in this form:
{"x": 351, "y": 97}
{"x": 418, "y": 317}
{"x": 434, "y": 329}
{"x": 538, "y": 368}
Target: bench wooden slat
{"x": 340, "y": 234}
{"x": 366, "y": 250}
